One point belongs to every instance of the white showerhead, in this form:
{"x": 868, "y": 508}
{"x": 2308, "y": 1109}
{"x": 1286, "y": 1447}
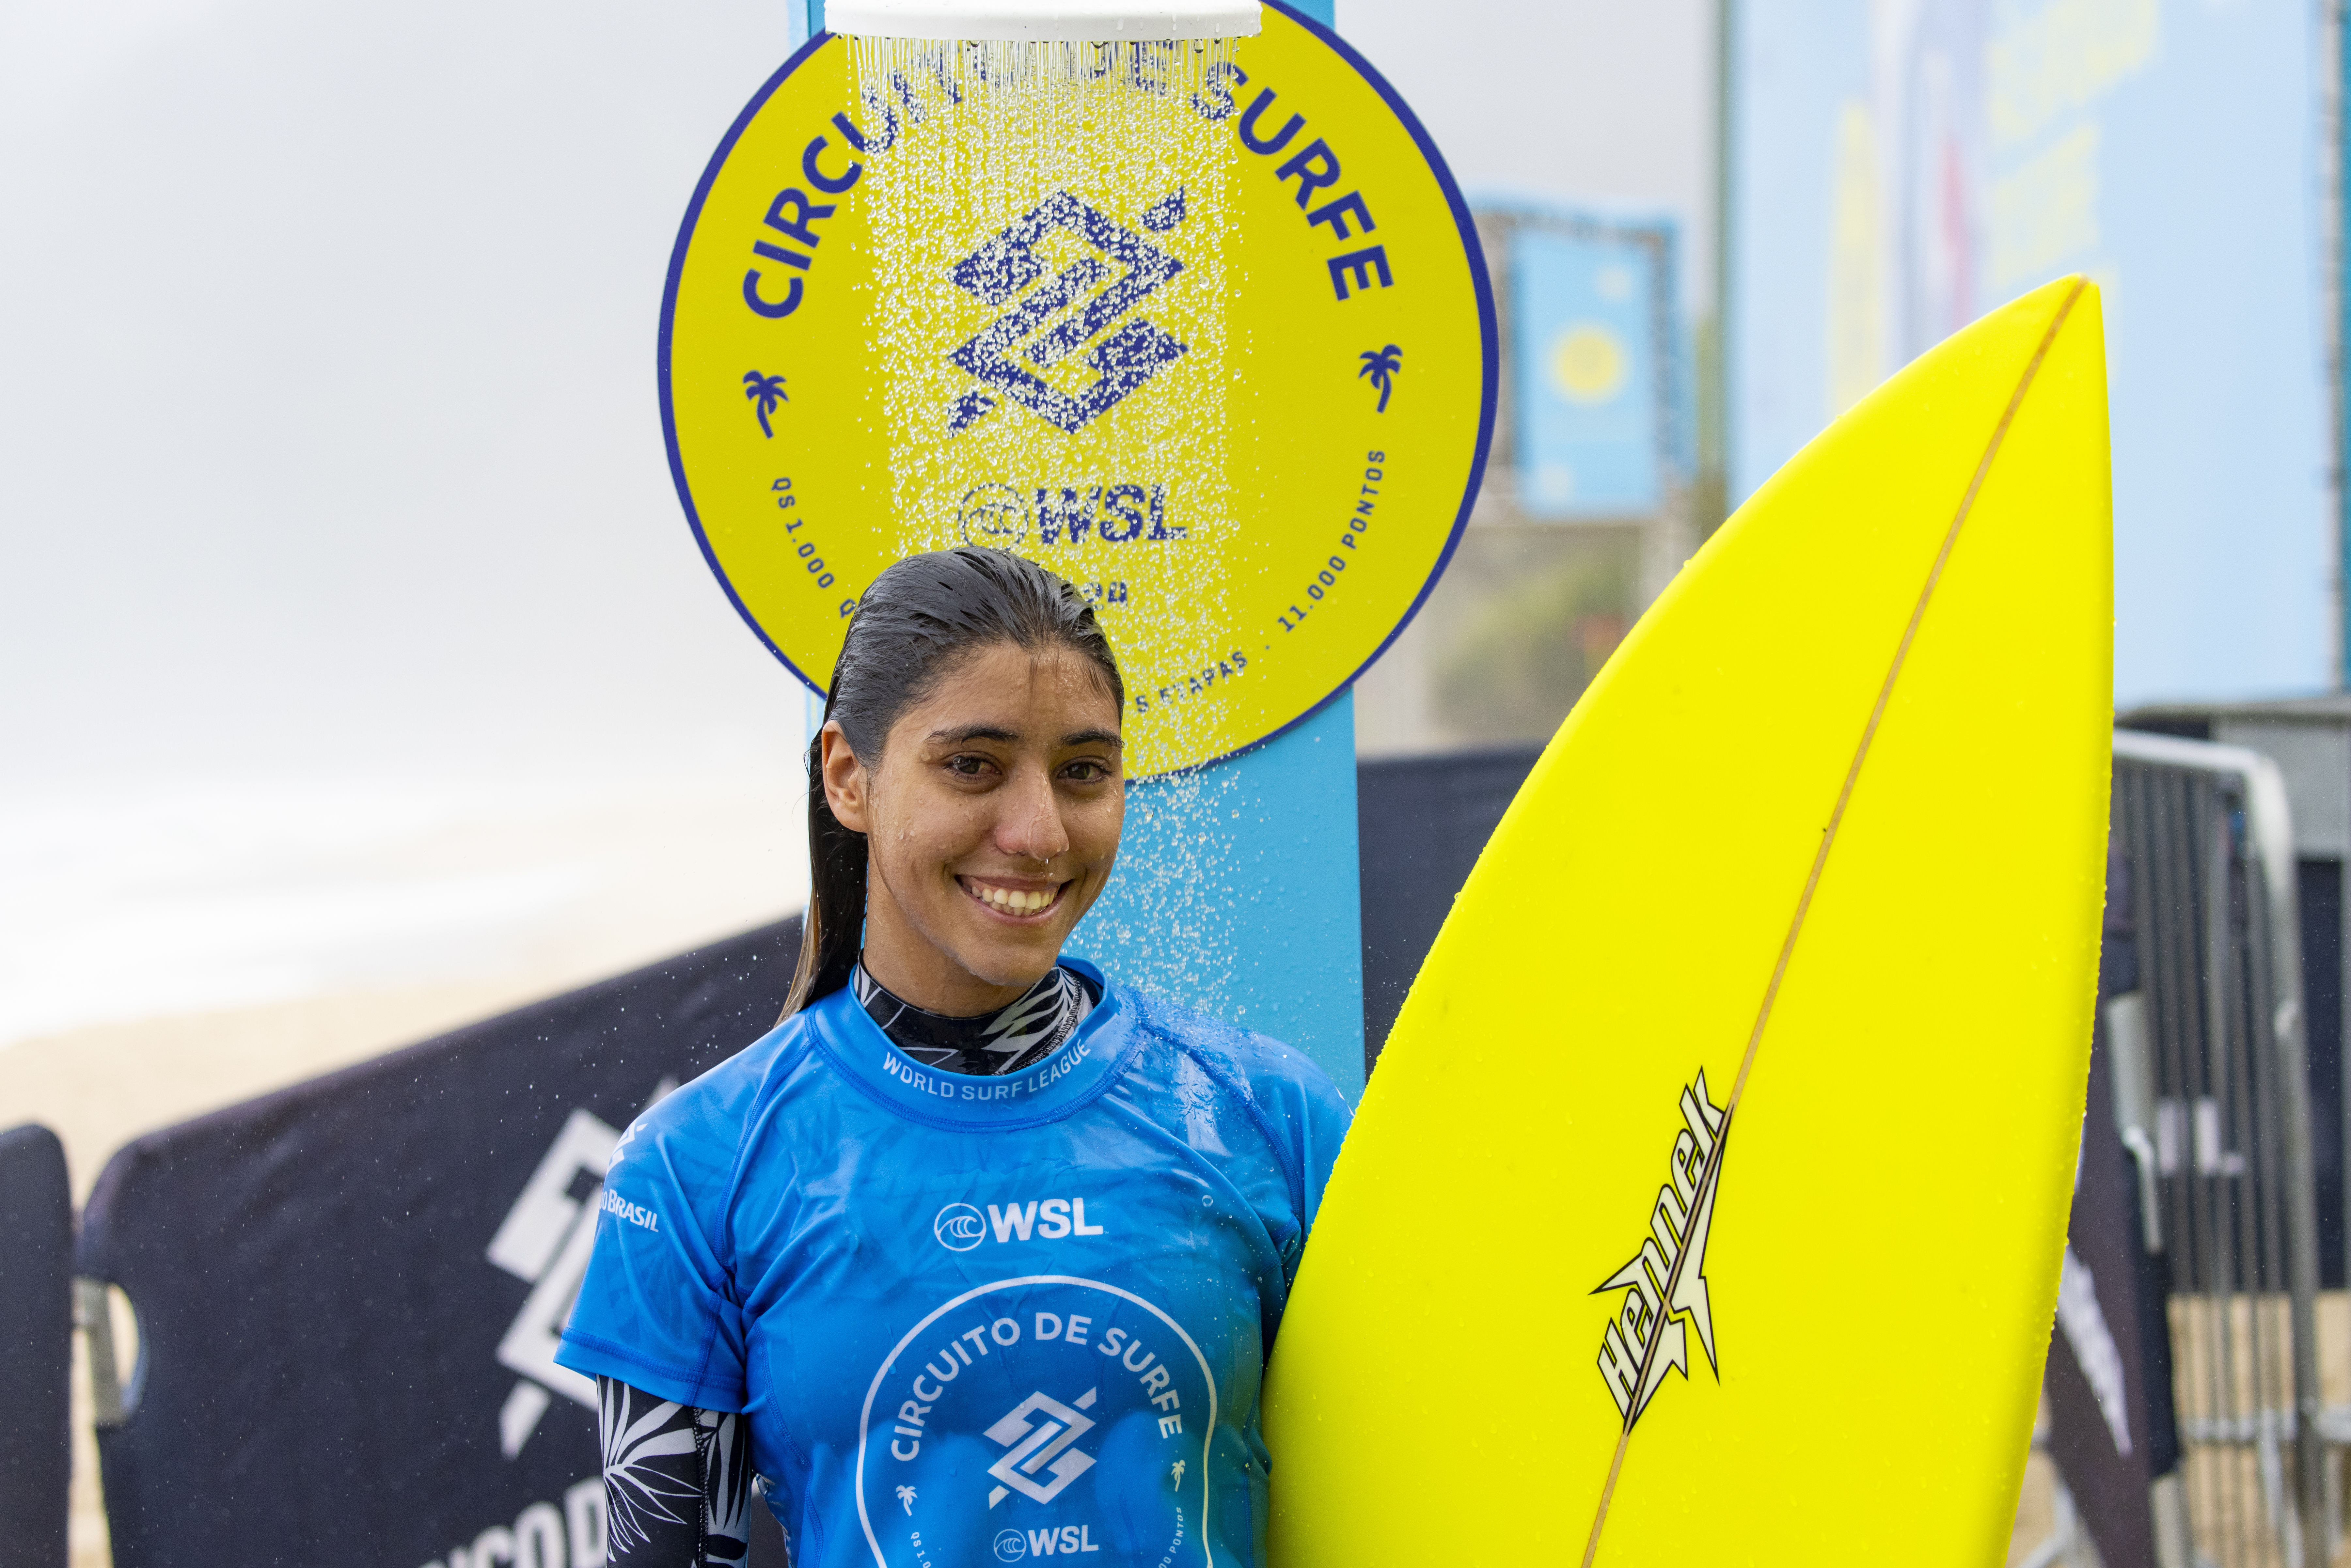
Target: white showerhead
{"x": 1044, "y": 21}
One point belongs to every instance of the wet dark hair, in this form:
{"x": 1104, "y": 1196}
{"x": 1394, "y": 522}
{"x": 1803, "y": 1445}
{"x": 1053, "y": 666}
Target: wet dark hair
{"x": 919, "y": 619}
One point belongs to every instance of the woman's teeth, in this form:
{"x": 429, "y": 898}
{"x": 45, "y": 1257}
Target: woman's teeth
{"x": 1012, "y": 900}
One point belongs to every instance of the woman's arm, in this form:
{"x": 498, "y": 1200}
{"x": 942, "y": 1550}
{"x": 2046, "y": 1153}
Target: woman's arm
{"x": 678, "y": 1483}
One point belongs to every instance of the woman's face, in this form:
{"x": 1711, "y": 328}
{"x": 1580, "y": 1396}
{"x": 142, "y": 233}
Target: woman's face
{"x": 990, "y": 822}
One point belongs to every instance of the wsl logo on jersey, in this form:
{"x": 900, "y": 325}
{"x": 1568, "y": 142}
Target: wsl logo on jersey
{"x": 991, "y": 1425}
{"x": 960, "y": 1228}
{"x": 1664, "y": 1283}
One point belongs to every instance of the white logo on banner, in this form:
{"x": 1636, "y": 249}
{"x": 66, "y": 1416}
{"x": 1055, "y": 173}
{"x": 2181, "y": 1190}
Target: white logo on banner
{"x": 2093, "y": 1342}
{"x": 544, "y": 1240}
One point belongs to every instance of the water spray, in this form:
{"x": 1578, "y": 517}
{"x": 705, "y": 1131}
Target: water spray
{"x": 1215, "y": 344}
{"x": 1044, "y": 21}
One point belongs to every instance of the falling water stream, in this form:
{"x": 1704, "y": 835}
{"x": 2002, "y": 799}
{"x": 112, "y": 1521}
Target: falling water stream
{"x": 1032, "y": 193}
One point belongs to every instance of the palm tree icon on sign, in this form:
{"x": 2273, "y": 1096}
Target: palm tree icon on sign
{"x": 768, "y": 391}
{"x": 1382, "y": 365}
{"x": 906, "y": 1496}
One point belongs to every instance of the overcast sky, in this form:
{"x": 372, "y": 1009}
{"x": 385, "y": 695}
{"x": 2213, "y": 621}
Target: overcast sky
{"x": 328, "y": 433}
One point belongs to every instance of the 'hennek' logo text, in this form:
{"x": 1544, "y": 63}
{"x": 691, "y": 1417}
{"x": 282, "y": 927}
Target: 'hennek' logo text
{"x": 1665, "y": 1284}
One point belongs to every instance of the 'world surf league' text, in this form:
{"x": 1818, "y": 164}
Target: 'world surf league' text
{"x": 1054, "y": 1068}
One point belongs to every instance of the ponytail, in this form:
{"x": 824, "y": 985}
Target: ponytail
{"x": 917, "y": 620}
{"x": 833, "y": 928}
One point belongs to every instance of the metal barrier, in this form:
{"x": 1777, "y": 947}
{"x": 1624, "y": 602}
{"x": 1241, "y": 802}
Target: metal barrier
{"x": 2212, "y": 1099}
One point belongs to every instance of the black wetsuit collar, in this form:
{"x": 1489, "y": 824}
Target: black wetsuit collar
{"x": 1044, "y": 1017}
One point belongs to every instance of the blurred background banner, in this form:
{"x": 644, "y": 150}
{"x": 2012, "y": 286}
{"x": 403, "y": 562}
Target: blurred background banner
{"x": 1425, "y": 820}
{"x": 349, "y": 1294}
{"x": 1591, "y": 337}
{"x": 1895, "y": 170}
{"x": 35, "y": 1347}
{"x": 2113, "y": 1429}
{"x": 1596, "y": 490}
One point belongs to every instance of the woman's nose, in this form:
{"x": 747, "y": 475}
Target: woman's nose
{"x": 1031, "y": 822}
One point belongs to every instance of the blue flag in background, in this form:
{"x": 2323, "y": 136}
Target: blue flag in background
{"x": 1588, "y": 332}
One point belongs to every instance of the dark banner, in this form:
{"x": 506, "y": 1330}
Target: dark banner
{"x": 35, "y": 1347}
{"x": 349, "y": 1294}
{"x": 2111, "y": 1427}
{"x": 1422, "y": 820}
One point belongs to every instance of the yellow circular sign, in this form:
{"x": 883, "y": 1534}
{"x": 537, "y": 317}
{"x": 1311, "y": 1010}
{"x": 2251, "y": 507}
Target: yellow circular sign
{"x": 1208, "y": 332}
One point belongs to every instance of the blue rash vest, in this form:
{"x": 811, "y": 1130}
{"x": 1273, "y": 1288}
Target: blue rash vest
{"x": 975, "y": 1320}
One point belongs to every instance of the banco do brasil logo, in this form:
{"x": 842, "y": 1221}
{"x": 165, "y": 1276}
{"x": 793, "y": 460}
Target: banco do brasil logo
{"x": 960, "y": 1228}
{"x": 1007, "y": 270}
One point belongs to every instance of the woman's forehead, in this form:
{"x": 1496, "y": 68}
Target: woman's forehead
{"x": 1025, "y": 693}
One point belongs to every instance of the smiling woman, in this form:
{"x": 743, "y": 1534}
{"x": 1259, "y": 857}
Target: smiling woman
{"x": 989, "y": 689}
{"x": 978, "y": 1253}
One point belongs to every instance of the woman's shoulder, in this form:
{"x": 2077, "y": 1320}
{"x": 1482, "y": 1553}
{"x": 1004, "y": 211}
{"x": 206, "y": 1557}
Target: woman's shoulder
{"x": 1291, "y": 1101}
{"x": 1258, "y": 1065}
{"x": 716, "y": 1108}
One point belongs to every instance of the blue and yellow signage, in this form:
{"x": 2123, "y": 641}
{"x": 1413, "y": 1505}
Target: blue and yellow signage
{"x": 1207, "y": 332}
{"x": 1588, "y": 313}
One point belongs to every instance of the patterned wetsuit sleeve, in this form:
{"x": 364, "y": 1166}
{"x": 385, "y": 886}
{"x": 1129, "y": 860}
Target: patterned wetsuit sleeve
{"x": 678, "y": 1483}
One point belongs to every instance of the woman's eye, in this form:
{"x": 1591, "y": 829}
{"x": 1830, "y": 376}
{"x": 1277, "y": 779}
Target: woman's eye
{"x": 967, "y": 767}
{"x": 1086, "y": 772}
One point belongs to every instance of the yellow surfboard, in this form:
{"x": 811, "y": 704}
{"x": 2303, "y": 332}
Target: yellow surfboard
{"x": 1707, "y": 1206}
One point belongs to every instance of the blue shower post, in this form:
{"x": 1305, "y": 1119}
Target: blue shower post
{"x": 1275, "y": 866}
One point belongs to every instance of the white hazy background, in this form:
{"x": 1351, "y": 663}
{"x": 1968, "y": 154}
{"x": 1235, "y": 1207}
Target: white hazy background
{"x": 359, "y": 675}
{"x": 354, "y": 640}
